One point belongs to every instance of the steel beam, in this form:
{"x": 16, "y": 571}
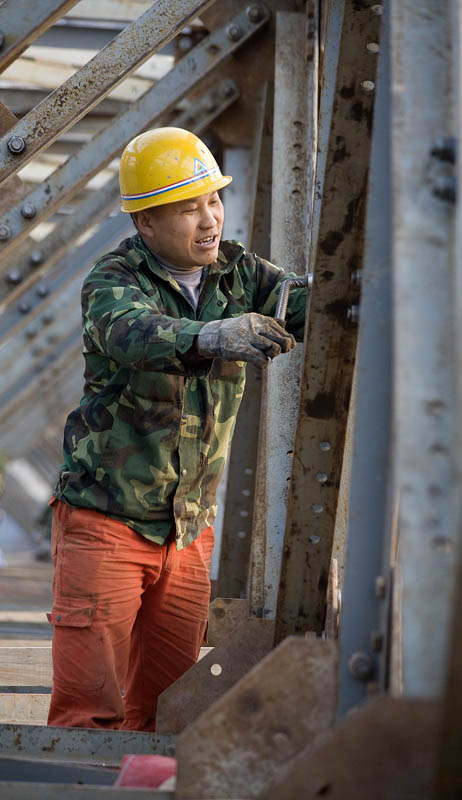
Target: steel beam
{"x": 88, "y": 746}
{"x": 21, "y": 23}
{"x": 240, "y": 489}
{"x": 153, "y": 30}
{"x": 295, "y": 104}
{"x": 425, "y": 331}
{"x": 33, "y": 266}
{"x": 43, "y": 402}
{"x": 331, "y": 333}
{"x": 54, "y": 315}
{"x": 361, "y": 637}
{"x": 107, "y": 144}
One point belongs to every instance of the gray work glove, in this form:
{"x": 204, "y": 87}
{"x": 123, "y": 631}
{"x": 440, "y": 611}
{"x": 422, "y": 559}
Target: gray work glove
{"x": 250, "y": 337}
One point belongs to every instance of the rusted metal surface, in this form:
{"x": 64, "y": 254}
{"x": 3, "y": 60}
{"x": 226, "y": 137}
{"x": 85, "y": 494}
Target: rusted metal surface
{"x": 214, "y": 675}
{"x": 330, "y": 337}
{"x": 385, "y": 750}
{"x": 294, "y": 153}
{"x": 262, "y": 174}
{"x": 143, "y": 37}
{"x": 94, "y": 155}
{"x": 21, "y": 22}
{"x": 245, "y": 740}
{"x": 238, "y": 129}
{"x": 226, "y": 614}
{"x": 87, "y": 746}
{"x": 364, "y": 626}
{"x": 425, "y": 328}
{"x": 89, "y": 212}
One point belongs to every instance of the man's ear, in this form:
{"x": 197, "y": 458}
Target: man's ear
{"x": 143, "y": 221}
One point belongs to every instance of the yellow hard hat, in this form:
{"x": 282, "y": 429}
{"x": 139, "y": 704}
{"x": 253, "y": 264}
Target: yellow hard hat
{"x": 165, "y": 165}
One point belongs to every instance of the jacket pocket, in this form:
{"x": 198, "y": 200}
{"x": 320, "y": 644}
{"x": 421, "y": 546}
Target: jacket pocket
{"x": 78, "y": 647}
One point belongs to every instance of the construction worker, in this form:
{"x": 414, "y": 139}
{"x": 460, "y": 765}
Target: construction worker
{"x": 169, "y": 318}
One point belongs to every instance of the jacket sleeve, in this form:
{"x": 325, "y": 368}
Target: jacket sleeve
{"x": 121, "y": 322}
{"x": 267, "y": 284}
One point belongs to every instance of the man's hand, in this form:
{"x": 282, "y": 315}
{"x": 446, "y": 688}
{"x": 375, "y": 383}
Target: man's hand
{"x": 250, "y": 337}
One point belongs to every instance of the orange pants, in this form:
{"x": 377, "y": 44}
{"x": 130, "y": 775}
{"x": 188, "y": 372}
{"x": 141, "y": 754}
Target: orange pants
{"x": 128, "y": 614}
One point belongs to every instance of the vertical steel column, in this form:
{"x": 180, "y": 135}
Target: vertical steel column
{"x": 331, "y": 334}
{"x": 240, "y": 489}
{"x": 448, "y": 785}
{"x": 294, "y": 153}
{"x": 236, "y": 163}
{"x": 360, "y": 639}
{"x": 424, "y": 332}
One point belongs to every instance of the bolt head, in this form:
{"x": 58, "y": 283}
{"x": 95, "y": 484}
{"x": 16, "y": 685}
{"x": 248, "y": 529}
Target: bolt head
{"x": 16, "y": 145}
{"x": 48, "y": 317}
{"x": 14, "y": 277}
{"x": 210, "y": 104}
{"x": 227, "y": 89}
{"x": 28, "y": 210}
{"x": 360, "y": 666}
{"x": 254, "y": 13}
{"x": 368, "y": 86}
{"x": 5, "y": 233}
{"x": 445, "y": 149}
{"x": 445, "y": 187}
{"x": 36, "y": 258}
{"x": 353, "y": 314}
{"x": 233, "y": 32}
{"x": 31, "y": 331}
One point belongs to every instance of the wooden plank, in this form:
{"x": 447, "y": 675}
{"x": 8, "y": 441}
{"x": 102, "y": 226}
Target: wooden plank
{"x": 25, "y": 666}
{"x": 31, "y": 665}
{"x": 50, "y": 75}
{"x": 23, "y": 617}
{"x": 29, "y": 709}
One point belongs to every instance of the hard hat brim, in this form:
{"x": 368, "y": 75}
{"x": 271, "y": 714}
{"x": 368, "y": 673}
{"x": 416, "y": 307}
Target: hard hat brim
{"x": 196, "y": 188}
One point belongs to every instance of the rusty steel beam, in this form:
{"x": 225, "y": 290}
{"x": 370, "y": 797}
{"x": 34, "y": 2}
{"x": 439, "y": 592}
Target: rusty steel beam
{"x": 21, "y": 22}
{"x": 93, "y": 156}
{"x": 331, "y": 334}
{"x": 153, "y": 30}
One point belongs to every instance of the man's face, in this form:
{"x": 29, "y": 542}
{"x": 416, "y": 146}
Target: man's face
{"x": 186, "y": 233}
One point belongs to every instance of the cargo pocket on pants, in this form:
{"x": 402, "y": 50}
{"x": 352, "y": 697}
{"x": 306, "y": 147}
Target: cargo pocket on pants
{"x": 78, "y": 648}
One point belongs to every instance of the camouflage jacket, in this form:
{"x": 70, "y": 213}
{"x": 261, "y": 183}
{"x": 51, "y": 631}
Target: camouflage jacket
{"x": 148, "y": 443}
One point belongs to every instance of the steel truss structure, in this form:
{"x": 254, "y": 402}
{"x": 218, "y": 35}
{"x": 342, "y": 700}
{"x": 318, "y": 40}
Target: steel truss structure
{"x": 339, "y": 581}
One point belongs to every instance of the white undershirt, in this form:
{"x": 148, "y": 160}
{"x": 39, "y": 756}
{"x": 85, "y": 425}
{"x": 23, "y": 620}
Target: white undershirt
{"x": 188, "y": 278}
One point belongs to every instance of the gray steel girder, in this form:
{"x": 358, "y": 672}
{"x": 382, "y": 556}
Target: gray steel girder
{"x": 18, "y": 356}
{"x": 94, "y": 80}
{"x": 425, "y": 334}
{"x": 21, "y": 22}
{"x": 87, "y": 746}
{"x": 94, "y": 155}
{"x": 33, "y": 266}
